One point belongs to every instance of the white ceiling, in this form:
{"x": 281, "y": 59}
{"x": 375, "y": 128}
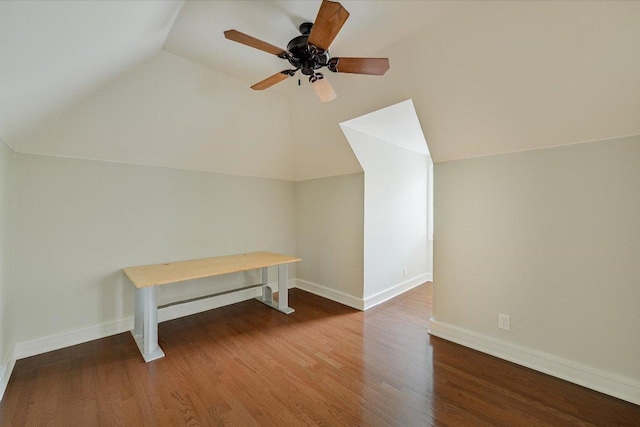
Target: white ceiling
{"x": 372, "y": 25}
{"x": 77, "y": 79}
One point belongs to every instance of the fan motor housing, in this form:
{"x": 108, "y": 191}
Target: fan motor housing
{"x": 298, "y": 46}
{"x": 305, "y": 56}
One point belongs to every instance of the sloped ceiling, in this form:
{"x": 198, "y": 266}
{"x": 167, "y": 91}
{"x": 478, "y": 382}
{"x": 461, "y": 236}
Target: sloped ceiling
{"x": 497, "y": 78}
{"x": 372, "y": 25}
{"x": 485, "y": 78}
{"x": 53, "y": 53}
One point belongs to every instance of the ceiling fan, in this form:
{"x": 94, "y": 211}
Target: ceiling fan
{"x": 309, "y": 52}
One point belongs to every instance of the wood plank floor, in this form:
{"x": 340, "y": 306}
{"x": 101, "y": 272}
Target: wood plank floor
{"x": 326, "y": 364}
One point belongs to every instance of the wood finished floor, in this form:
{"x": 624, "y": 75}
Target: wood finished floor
{"x": 326, "y": 364}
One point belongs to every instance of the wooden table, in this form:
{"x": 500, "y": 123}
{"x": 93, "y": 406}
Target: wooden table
{"x": 147, "y": 278}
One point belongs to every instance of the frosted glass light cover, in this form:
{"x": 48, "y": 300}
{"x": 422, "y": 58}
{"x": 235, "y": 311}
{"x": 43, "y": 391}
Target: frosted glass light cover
{"x": 324, "y": 90}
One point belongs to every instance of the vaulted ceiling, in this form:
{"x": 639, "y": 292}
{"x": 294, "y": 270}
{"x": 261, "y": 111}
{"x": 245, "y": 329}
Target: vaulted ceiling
{"x": 155, "y": 82}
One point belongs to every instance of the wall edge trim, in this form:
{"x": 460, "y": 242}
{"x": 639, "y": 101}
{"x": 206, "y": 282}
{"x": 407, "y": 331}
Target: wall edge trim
{"x": 396, "y": 290}
{"x": 331, "y": 294}
{"x": 6, "y": 369}
{"x": 45, "y": 344}
{"x": 36, "y": 346}
{"x": 602, "y": 381}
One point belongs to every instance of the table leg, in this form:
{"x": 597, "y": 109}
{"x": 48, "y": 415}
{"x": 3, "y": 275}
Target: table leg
{"x": 145, "y": 330}
{"x": 138, "y": 315}
{"x": 283, "y": 290}
{"x": 267, "y": 294}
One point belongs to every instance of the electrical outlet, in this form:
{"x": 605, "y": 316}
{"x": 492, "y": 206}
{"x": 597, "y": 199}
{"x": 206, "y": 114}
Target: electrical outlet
{"x": 504, "y": 321}
{"x": 406, "y": 272}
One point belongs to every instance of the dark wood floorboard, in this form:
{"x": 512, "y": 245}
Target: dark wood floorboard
{"x": 324, "y": 365}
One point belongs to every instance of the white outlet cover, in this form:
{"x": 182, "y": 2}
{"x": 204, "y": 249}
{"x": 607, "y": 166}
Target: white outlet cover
{"x": 504, "y": 321}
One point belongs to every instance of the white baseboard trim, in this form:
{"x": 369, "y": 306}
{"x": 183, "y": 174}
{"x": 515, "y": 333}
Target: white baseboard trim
{"x": 6, "y": 368}
{"x": 605, "y": 382}
{"x": 42, "y": 345}
{"x": 66, "y": 339}
{"x": 396, "y": 290}
{"x": 78, "y": 336}
{"x": 332, "y": 294}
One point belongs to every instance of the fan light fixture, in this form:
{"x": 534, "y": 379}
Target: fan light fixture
{"x": 309, "y": 52}
{"x": 322, "y": 87}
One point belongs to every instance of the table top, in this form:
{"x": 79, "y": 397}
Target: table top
{"x": 162, "y": 274}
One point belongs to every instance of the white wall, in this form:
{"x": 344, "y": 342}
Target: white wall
{"x": 395, "y": 214}
{"x": 80, "y": 222}
{"x": 329, "y": 237}
{"x": 552, "y": 238}
{"x": 7, "y": 169}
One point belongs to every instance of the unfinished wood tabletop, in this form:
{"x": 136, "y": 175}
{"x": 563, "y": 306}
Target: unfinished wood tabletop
{"x": 162, "y": 274}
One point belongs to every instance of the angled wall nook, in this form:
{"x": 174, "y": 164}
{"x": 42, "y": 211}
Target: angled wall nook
{"x": 393, "y": 153}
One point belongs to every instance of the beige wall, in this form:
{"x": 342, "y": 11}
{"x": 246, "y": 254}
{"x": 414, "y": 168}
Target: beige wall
{"x": 80, "y": 222}
{"x": 551, "y": 237}
{"x": 329, "y": 232}
{"x": 7, "y": 169}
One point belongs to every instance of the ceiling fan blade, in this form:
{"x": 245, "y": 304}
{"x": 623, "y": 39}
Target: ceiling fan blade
{"x": 373, "y": 66}
{"x": 270, "y": 81}
{"x": 331, "y": 17}
{"x": 246, "y": 39}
